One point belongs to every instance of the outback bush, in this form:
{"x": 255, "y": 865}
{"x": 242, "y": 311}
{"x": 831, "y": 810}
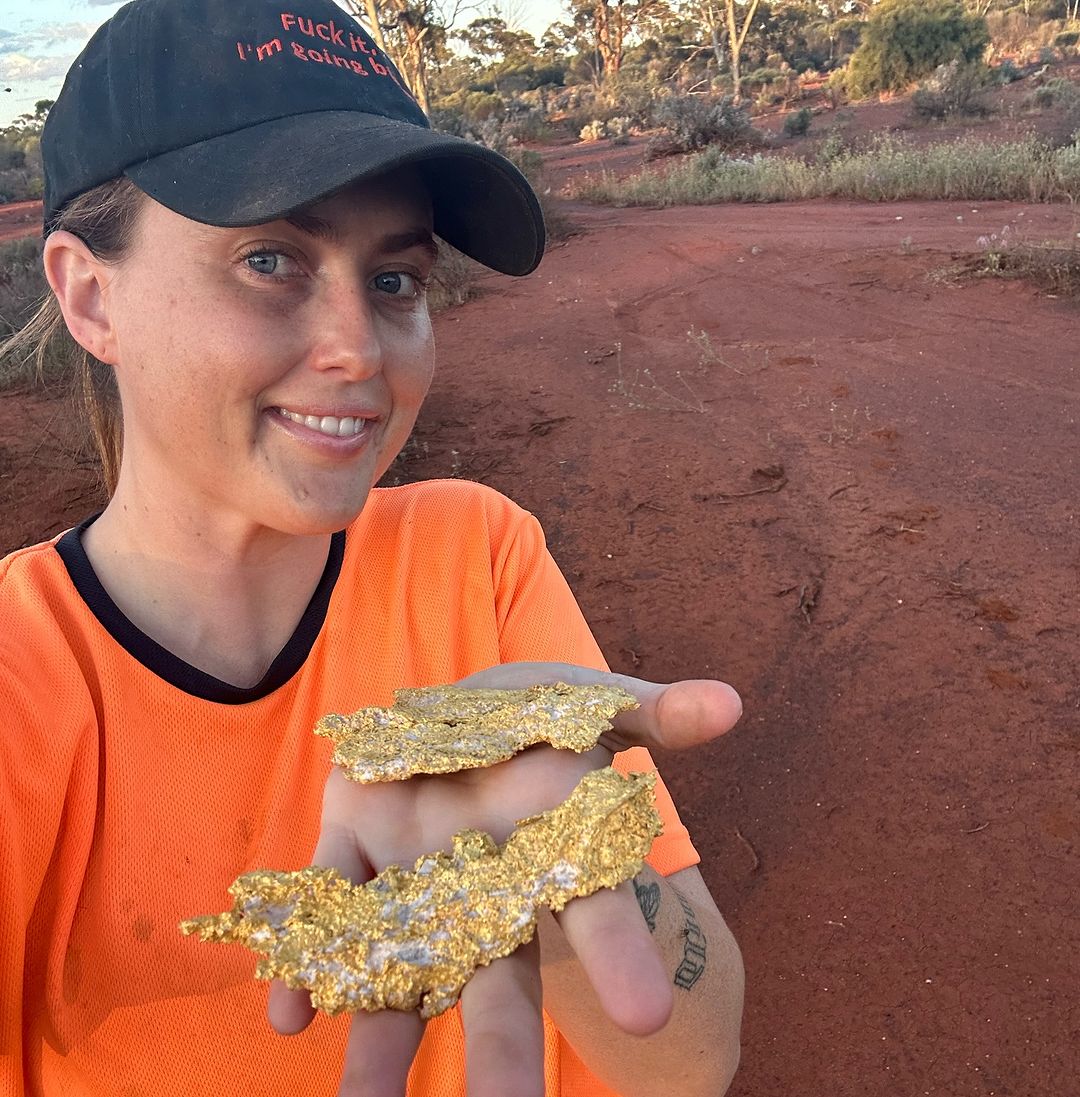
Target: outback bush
{"x": 20, "y": 168}
{"x": 888, "y": 171}
{"x": 465, "y": 107}
{"x": 1006, "y": 73}
{"x": 691, "y": 122}
{"x": 797, "y": 124}
{"x": 905, "y": 40}
{"x": 763, "y": 76}
{"x": 615, "y": 129}
{"x": 834, "y": 146}
{"x": 22, "y": 286}
{"x": 955, "y": 88}
{"x": 1053, "y": 92}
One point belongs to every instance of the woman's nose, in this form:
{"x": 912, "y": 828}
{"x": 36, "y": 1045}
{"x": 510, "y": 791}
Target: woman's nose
{"x": 346, "y": 333}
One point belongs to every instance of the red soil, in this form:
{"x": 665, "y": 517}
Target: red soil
{"x": 775, "y": 445}
{"x": 19, "y": 219}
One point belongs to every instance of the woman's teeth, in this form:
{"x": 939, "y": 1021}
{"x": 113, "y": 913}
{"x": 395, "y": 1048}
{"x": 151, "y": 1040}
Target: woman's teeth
{"x": 327, "y": 424}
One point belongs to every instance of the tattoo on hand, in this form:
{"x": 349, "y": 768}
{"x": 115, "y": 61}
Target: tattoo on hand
{"x": 648, "y": 898}
{"x": 693, "y": 962}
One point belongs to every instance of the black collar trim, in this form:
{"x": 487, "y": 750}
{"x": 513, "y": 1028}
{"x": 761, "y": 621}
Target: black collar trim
{"x": 173, "y": 669}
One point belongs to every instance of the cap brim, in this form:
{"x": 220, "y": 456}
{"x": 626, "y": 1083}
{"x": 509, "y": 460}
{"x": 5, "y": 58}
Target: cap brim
{"x": 482, "y": 204}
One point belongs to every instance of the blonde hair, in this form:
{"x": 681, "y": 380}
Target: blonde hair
{"x": 104, "y": 218}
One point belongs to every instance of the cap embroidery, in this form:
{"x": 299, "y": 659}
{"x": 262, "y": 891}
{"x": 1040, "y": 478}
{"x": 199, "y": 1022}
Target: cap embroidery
{"x": 327, "y": 32}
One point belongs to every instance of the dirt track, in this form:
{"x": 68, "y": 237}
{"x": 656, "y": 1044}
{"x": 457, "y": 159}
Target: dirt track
{"x": 854, "y": 498}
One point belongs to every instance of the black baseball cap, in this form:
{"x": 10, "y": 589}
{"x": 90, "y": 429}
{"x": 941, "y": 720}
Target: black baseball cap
{"x": 238, "y": 112}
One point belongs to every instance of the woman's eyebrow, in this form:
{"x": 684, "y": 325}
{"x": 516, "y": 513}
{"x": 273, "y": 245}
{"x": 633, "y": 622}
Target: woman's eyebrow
{"x": 400, "y": 241}
{"x": 313, "y": 226}
{"x": 413, "y": 238}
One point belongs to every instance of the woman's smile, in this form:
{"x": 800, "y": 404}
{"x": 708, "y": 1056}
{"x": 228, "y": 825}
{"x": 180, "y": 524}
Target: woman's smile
{"x": 337, "y": 435}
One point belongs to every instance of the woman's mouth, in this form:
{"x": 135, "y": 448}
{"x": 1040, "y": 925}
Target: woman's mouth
{"x": 332, "y": 426}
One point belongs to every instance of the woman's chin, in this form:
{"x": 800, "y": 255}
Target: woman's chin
{"x": 312, "y": 517}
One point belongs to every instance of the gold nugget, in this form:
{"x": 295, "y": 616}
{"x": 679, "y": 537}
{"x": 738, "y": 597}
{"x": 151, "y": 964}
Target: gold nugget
{"x": 444, "y": 729}
{"x": 412, "y": 939}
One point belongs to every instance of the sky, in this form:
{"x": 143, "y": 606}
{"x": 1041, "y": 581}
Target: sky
{"x": 36, "y": 48}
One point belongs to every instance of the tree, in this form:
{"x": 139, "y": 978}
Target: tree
{"x": 491, "y": 39}
{"x": 721, "y": 21}
{"x": 412, "y": 33}
{"x": 904, "y": 40}
{"x": 737, "y": 39}
{"x": 603, "y": 28}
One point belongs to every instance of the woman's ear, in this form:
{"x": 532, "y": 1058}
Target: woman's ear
{"x": 79, "y": 280}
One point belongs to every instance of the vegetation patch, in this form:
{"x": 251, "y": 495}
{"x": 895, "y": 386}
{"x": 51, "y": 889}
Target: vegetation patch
{"x": 905, "y": 40}
{"x": 1052, "y": 267}
{"x": 691, "y": 122}
{"x": 889, "y": 170}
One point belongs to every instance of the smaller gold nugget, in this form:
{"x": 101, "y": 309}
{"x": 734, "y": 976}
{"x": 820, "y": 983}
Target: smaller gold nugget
{"x": 444, "y": 729}
{"x": 408, "y": 940}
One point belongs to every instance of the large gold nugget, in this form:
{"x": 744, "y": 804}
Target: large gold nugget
{"x": 413, "y": 939}
{"x": 444, "y": 729}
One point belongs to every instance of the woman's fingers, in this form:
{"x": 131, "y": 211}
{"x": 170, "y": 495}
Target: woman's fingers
{"x": 379, "y": 1053}
{"x": 673, "y": 717}
{"x": 291, "y": 1011}
{"x": 613, "y": 944}
{"x": 504, "y": 1030}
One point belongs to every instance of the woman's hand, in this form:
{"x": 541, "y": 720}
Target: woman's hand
{"x": 367, "y": 827}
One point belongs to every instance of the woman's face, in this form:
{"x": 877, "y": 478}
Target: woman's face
{"x": 269, "y": 375}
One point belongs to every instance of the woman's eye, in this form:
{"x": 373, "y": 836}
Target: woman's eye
{"x": 263, "y": 262}
{"x": 266, "y": 262}
{"x": 398, "y": 283}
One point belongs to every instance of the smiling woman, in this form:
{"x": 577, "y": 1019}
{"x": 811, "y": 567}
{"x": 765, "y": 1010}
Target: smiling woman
{"x": 249, "y": 315}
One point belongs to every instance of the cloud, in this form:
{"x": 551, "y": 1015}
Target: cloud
{"x": 17, "y": 67}
{"x": 44, "y": 36}
{"x": 52, "y": 34}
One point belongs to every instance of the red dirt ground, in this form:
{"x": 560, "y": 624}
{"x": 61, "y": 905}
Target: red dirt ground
{"x": 19, "y": 219}
{"x": 777, "y": 445}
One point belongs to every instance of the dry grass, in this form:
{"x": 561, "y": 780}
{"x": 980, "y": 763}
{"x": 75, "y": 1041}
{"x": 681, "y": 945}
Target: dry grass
{"x": 1052, "y": 267}
{"x": 890, "y": 170}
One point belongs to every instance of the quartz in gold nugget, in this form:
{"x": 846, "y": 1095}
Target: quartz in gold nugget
{"x": 444, "y": 729}
{"x": 411, "y": 939}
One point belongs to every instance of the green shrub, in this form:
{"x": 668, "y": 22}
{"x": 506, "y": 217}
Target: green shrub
{"x": 763, "y": 76}
{"x": 833, "y": 147}
{"x": 1053, "y": 92}
{"x": 955, "y": 88}
{"x": 20, "y": 167}
{"x": 1066, "y": 38}
{"x": 798, "y": 123}
{"x": 905, "y": 40}
{"x": 693, "y": 122}
{"x": 466, "y": 107}
{"x": 1006, "y": 72}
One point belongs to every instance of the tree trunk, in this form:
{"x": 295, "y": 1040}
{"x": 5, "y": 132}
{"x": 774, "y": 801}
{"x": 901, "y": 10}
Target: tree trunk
{"x": 736, "y": 41}
{"x": 371, "y": 8}
{"x": 609, "y": 30}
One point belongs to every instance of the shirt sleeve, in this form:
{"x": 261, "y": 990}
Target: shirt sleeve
{"x": 539, "y": 619}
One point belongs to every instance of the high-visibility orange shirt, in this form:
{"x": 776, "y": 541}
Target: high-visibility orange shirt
{"x": 134, "y": 788}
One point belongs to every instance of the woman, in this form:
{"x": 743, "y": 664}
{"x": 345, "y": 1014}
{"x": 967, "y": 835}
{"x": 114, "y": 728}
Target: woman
{"x": 240, "y": 204}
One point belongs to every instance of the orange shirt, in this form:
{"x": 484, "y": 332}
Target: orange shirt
{"x": 135, "y": 788}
